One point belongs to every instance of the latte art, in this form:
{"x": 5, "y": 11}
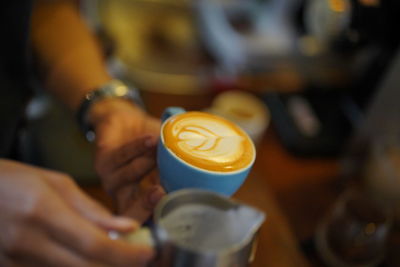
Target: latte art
{"x": 208, "y": 141}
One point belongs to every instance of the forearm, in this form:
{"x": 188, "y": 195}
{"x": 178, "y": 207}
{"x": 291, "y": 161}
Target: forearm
{"x": 68, "y": 52}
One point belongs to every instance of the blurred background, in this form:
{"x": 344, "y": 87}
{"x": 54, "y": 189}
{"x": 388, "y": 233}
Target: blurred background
{"x": 314, "y": 64}
{"x": 314, "y": 82}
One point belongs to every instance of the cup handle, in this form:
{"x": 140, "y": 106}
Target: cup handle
{"x": 171, "y": 111}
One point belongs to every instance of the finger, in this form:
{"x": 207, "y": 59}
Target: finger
{"x": 155, "y": 195}
{"x": 131, "y": 173}
{"x": 140, "y": 202}
{"x": 114, "y": 159}
{"x": 129, "y": 194}
{"x": 86, "y": 206}
{"x": 88, "y": 241}
{"x": 35, "y": 248}
{"x": 154, "y": 177}
{"x": 156, "y": 191}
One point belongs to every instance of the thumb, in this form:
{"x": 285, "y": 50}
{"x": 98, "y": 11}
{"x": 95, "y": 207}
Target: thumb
{"x": 142, "y": 201}
{"x": 86, "y": 206}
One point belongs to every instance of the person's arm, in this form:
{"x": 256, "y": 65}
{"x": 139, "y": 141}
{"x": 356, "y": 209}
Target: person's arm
{"x": 69, "y": 54}
{"x": 73, "y": 65}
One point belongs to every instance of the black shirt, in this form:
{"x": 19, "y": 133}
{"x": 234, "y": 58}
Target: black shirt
{"x": 15, "y": 88}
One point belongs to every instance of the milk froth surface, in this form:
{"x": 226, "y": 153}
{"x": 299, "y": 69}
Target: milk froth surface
{"x": 198, "y": 226}
{"x": 208, "y": 141}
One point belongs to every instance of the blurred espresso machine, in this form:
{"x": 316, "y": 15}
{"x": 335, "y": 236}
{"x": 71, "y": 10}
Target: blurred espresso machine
{"x": 357, "y": 42}
{"x": 325, "y": 58}
{"x": 340, "y": 49}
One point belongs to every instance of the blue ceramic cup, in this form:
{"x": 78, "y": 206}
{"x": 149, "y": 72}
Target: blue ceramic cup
{"x": 175, "y": 173}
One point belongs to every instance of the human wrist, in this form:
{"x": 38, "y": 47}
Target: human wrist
{"x": 104, "y": 101}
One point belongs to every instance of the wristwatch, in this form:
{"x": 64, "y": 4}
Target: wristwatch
{"x": 112, "y": 89}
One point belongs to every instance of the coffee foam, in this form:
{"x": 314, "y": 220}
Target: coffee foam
{"x": 208, "y": 141}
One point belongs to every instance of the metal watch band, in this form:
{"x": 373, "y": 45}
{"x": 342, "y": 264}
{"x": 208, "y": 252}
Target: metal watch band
{"x": 112, "y": 89}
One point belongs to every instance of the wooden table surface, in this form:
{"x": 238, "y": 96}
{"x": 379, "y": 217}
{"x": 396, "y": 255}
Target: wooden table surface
{"x": 294, "y": 193}
{"x": 276, "y": 244}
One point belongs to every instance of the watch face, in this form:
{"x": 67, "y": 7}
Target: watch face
{"x": 326, "y": 19}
